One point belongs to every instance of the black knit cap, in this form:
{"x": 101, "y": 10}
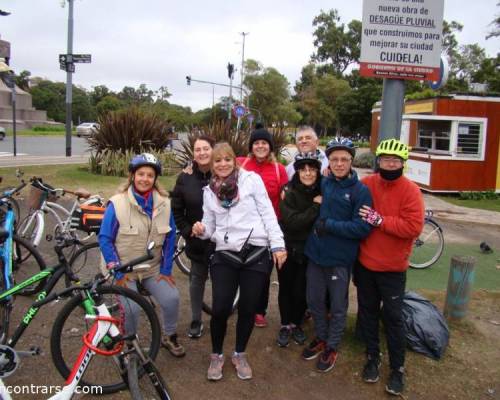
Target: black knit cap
{"x": 260, "y": 134}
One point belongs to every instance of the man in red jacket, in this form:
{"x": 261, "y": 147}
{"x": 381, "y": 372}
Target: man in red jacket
{"x": 380, "y": 273}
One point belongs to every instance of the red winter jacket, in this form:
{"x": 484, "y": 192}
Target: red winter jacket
{"x": 274, "y": 177}
{"x": 388, "y": 247}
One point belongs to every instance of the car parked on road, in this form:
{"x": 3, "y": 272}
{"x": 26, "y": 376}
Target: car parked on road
{"x": 2, "y": 133}
{"x": 87, "y": 129}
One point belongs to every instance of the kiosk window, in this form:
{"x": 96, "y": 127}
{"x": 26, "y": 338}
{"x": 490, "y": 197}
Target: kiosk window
{"x": 469, "y": 139}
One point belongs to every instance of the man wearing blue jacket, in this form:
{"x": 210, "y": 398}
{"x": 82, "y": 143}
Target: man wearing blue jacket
{"x": 332, "y": 249}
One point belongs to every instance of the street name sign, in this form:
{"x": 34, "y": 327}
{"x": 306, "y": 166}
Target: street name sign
{"x": 82, "y": 58}
{"x": 401, "y": 39}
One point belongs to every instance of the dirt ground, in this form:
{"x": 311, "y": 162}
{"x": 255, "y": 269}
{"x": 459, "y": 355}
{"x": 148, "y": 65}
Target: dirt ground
{"x": 470, "y": 368}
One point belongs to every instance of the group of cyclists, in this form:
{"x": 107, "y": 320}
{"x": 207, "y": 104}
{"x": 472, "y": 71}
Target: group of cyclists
{"x": 315, "y": 221}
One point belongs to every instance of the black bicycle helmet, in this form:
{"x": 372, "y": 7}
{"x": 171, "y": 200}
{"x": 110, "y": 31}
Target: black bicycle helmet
{"x": 310, "y": 158}
{"x": 340, "y": 143}
{"x": 144, "y": 159}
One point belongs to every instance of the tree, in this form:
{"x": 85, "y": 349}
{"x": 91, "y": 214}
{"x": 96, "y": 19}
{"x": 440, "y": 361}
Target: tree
{"x": 495, "y": 32}
{"x": 489, "y": 73}
{"x": 334, "y": 44}
{"x": 50, "y": 96}
{"x": 23, "y": 80}
{"x": 269, "y": 92}
{"x": 98, "y": 93}
{"x": 354, "y": 109}
{"x": 317, "y": 101}
{"x": 107, "y": 104}
{"x": 162, "y": 94}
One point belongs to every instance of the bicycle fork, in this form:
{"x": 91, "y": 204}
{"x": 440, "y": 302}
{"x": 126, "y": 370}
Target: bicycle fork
{"x": 104, "y": 326}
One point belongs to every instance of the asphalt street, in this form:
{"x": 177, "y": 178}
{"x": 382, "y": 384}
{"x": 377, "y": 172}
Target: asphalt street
{"x": 42, "y": 146}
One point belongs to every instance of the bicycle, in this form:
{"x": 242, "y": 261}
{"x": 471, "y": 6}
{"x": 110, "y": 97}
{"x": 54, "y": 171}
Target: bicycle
{"x": 8, "y": 194}
{"x": 184, "y": 264}
{"x": 105, "y": 337}
{"x": 120, "y": 302}
{"x": 42, "y": 201}
{"x": 17, "y": 256}
{"x": 429, "y": 245}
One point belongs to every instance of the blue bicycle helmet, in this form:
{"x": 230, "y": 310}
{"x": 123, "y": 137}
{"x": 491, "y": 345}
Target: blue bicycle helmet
{"x": 144, "y": 159}
{"x": 310, "y": 158}
{"x": 340, "y": 143}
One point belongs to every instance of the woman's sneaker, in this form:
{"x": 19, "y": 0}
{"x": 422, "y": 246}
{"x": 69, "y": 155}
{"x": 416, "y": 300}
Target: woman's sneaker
{"x": 214, "y": 372}
{"x": 195, "y": 330}
{"x": 298, "y": 335}
{"x": 240, "y": 362}
{"x": 284, "y": 336}
{"x": 314, "y": 349}
{"x": 172, "y": 345}
{"x": 260, "y": 321}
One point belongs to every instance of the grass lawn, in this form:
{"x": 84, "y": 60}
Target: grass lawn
{"x": 486, "y": 273}
{"x": 485, "y": 204}
{"x": 73, "y": 177}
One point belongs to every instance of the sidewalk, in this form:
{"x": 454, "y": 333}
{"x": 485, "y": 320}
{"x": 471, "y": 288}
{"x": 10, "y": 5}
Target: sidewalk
{"x": 451, "y": 212}
{"x": 24, "y": 160}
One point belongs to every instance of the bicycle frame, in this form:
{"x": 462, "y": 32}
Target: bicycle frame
{"x": 105, "y": 327}
{"x": 6, "y": 248}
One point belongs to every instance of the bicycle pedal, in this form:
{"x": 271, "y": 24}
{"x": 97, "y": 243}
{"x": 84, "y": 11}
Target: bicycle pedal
{"x": 33, "y": 351}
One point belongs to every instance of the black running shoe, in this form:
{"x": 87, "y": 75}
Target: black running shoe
{"x": 395, "y": 385}
{"x": 195, "y": 330}
{"x": 284, "y": 336}
{"x": 370, "y": 371}
{"x": 314, "y": 349}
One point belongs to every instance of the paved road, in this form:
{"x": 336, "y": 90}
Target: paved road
{"x": 42, "y": 146}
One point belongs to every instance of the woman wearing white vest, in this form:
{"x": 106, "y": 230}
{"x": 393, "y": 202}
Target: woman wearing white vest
{"x": 137, "y": 215}
{"x": 239, "y": 217}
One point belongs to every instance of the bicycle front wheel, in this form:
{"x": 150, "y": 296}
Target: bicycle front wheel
{"x": 136, "y": 315}
{"x": 151, "y": 386}
{"x": 26, "y": 262}
{"x": 428, "y": 247}
{"x": 181, "y": 259}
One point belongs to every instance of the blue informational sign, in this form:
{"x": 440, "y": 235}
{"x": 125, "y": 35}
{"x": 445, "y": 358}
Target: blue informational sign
{"x": 239, "y": 110}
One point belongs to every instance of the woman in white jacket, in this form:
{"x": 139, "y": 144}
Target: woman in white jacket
{"x": 239, "y": 217}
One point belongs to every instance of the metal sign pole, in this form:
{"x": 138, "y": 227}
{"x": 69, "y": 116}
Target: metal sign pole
{"x": 14, "y": 130}
{"x": 393, "y": 96}
{"x": 69, "y": 81}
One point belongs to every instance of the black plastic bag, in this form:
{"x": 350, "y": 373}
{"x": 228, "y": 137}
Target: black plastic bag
{"x": 426, "y": 328}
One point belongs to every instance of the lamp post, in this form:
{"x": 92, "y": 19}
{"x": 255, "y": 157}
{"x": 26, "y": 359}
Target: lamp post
{"x": 8, "y": 76}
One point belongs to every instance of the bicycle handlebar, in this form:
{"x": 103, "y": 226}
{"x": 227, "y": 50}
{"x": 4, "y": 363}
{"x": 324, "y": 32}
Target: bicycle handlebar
{"x": 99, "y": 279}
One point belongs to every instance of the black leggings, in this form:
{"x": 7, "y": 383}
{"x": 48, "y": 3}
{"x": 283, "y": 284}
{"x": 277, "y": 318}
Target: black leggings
{"x": 226, "y": 277}
{"x": 292, "y": 292}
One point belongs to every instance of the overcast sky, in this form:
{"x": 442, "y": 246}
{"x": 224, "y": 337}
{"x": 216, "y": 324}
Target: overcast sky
{"x": 159, "y": 42}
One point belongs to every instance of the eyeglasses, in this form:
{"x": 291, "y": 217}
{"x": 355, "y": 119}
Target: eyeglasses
{"x": 393, "y": 160}
{"x": 343, "y": 160}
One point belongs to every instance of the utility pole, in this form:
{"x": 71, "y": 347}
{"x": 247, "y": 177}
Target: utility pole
{"x": 69, "y": 80}
{"x": 242, "y": 63}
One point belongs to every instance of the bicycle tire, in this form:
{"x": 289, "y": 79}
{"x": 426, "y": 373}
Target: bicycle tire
{"x": 428, "y": 247}
{"x": 152, "y": 384}
{"x": 29, "y": 229}
{"x": 206, "y": 306}
{"x": 86, "y": 260}
{"x": 26, "y": 262}
{"x": 4, "y": 310}
{"x": 70, "y": 324}
{"x": 181, "y": 259}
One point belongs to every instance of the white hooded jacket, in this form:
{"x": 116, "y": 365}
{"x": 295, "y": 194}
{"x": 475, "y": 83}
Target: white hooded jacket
{"x": 230, "y": 227}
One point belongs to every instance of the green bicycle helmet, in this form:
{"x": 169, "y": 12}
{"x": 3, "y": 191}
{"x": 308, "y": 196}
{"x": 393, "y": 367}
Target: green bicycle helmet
{"x": 393, "y": 147}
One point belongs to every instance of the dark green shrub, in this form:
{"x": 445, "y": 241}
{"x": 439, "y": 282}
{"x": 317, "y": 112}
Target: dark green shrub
{"x": 49, "y": 128}
{"x": 129, "y": 130}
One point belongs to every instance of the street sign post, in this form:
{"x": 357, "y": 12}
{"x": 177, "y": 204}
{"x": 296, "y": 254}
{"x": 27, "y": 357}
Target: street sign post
{"x": 401, "y": 39}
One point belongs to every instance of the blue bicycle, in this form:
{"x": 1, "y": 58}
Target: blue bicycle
{"x": 18, "y": 258}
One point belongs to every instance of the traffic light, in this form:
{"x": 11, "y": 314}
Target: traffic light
{"x": 188, "y": 80}
{"x": 230, "y": 70}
